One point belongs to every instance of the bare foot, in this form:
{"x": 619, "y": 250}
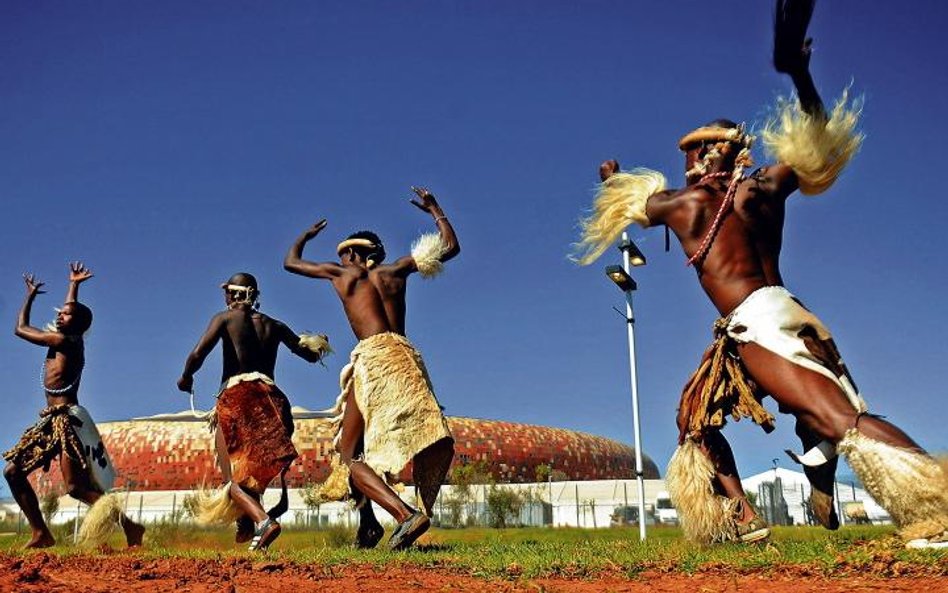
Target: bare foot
{"x": 134, "y": 533}
{"x": 40, "y": 539}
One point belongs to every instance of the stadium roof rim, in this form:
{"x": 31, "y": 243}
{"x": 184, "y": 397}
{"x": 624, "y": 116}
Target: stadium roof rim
{"x": 299, "y": 412}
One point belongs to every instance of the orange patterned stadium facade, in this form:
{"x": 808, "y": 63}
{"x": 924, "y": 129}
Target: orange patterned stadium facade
{"x": 175, "y": 452}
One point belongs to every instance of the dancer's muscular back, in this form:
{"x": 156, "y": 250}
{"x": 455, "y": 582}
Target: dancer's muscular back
{"x": 373, "y": 296}
{"x": 374, "y": 300}
{"x": 249, "y": 340}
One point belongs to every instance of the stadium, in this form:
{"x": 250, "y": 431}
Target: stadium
{"x": 162, "y": 459}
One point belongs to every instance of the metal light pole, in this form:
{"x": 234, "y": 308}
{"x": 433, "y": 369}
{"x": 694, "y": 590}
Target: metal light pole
{"x": 631, "y": 256}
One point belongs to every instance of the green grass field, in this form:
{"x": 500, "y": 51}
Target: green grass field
{"x": 545, "y": 552}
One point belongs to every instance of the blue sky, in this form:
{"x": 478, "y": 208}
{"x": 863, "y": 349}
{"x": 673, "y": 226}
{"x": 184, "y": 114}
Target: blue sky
{"x": 171, "y": 144}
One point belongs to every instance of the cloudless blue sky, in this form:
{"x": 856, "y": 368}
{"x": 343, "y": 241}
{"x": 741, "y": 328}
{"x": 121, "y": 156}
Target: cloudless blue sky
{"x": 170, "y": 144}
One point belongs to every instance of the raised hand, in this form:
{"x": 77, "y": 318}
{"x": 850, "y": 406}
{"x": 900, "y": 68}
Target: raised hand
{"x": 33, "y": 285}
{"x": 426, "y": 201}
{"x": 315, "y": 229}
{"x": 608, "y": 168}
{"x": 78, "y": 273}
{"x": 792, "y": 48}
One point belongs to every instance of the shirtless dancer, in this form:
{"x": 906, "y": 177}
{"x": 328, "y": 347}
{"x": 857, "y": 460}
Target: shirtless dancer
{"x": 254, "y": 424}
{"x": 387, "y": 414}
{"x": 65, "y": 431}
{"x": 731, "y": 228}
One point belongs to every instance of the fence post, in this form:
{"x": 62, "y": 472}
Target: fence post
{"x": 19, "y": 521}
{"x": 550, "y": 482}
{"x": 577, "y": 505}
{"x": 174, "y": 508}
{"x": 839, "y": 504}
{"x": 128, "y": 493}
{"x": 141, "y": 501}
{"x": 75, "y": 524}
{"x": 803, "y": 500}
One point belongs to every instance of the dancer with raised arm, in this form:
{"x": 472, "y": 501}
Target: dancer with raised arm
{"x": 730, "y": 226}
{"x": 252, "y": 422}
{"x": 387, "y": 414}
{"x": 65, "y": 431}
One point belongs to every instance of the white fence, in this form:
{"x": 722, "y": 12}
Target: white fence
{"x": 592, "y": 504}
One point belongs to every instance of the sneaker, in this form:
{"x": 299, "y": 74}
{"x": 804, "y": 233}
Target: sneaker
{"x": 938, "y": 542}
{"x": 754, "y": 530}
{"x": 268, "y": 531}
{"x": 409, "y": 530}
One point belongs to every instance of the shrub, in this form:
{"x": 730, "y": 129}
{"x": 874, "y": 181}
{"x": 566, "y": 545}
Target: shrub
{"x": 503, "y": 506}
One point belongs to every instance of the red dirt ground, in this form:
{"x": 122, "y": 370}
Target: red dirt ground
{"x": 44, "y": 573}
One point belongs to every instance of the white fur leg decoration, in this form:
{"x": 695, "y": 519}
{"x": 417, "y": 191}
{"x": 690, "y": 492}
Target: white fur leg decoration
{"x": 101, "y": 520}
{"x": 706, "y": 516}
{"x": 427, "y": 251}
{"x": 214, "y": 507}
{"x": 912, "y": 487}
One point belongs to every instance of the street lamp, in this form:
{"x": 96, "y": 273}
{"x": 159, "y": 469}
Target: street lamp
{"x": 622, "y": 279}
{"x": 631, "y": 256}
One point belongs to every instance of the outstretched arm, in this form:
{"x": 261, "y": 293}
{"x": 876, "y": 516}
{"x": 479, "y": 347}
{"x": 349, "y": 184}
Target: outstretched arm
{"x": 298, "y": 344}
{"x": 294, "y": 262}
{"x": 200, "y": 352}
{"x": 78, "y": 274}
{"x": 656, "y": 204}
{"x": 792, "y": 49}
{"x": 24, "y": 329}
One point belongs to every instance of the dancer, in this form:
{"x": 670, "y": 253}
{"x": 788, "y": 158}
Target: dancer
{"x": 252, "y": 421}
{"x": 65, "y": 431}
{"x": 387, "y": 414}
{"x": 767, "y": 343}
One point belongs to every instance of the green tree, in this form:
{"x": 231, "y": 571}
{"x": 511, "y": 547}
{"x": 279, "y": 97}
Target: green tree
{"x": 543, "y": 472}
{"x": 189, "y": 505}
{"x": 463, "y": 477}
{"x": 503, "y": 506}
{"x": 311, "y": 498}
{"x": 49, "y": 504}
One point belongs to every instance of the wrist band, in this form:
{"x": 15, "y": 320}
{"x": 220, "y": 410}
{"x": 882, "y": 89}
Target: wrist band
{"x": 439, "y": 218}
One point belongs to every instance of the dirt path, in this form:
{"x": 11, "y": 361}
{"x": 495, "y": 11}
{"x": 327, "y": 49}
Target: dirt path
{"x": 43, "y": 573}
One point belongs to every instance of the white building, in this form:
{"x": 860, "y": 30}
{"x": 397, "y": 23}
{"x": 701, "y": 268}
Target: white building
{"x": 795, "y": 491}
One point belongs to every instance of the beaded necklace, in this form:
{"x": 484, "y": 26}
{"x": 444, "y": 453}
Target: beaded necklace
{"x": 719, "y": 217}
{"x": 65, "y": 389}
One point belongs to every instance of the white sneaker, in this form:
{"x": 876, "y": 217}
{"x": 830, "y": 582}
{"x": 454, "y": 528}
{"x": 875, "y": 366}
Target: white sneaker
{"x": 925, "y": 544}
